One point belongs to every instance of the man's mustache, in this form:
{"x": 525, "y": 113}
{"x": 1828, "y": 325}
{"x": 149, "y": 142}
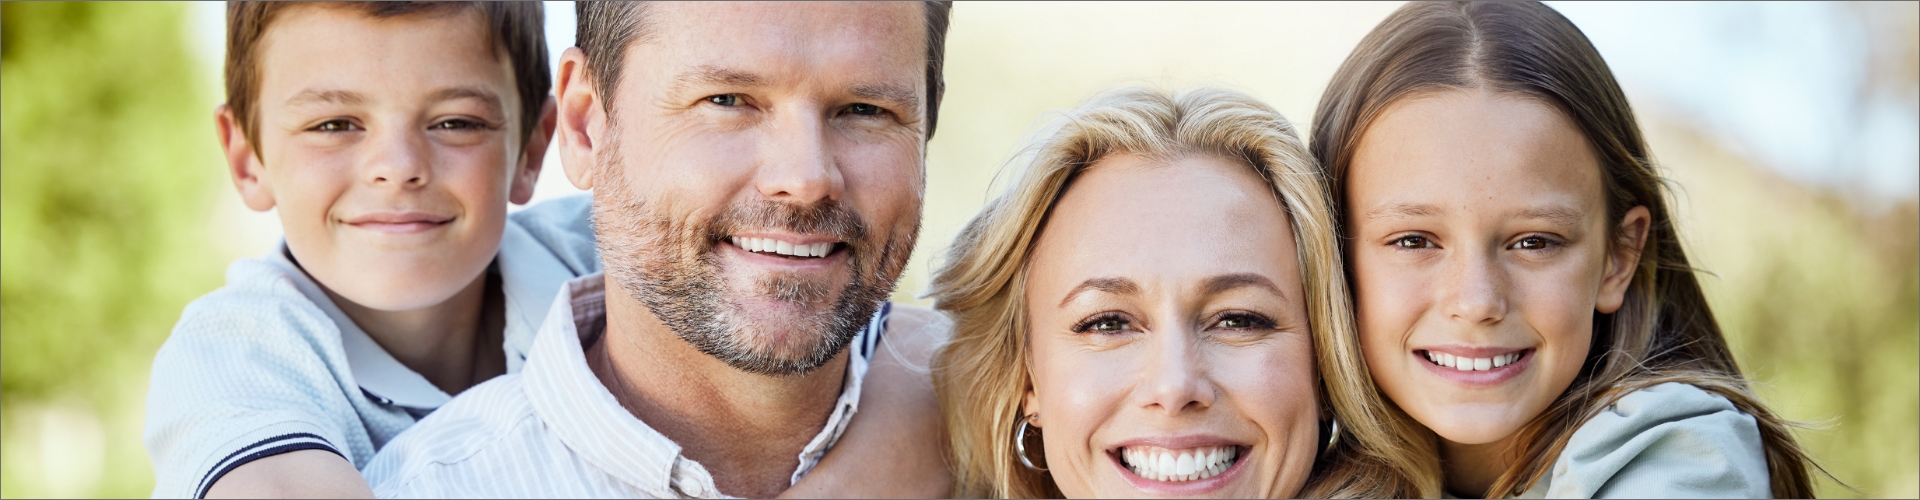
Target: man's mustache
{"x": 825, "y": 218}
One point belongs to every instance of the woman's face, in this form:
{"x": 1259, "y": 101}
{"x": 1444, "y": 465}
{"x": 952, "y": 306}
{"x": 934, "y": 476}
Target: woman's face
{"x": 1480, "y": 252}
{"x": 1169, "y": 344}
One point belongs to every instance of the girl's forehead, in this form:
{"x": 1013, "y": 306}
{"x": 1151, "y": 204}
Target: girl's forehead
{"x": 1451, "y": 151}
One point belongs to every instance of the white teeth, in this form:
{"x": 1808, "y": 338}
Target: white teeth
{"x": 1187, "y": 465}
{"x": 773, "y": 246}
{"x": 1471, "y": 364}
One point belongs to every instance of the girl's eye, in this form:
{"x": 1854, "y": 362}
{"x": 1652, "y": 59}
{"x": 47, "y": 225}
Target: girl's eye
{"x": 1413, "y": 242}
{"x": 1533, "y": 243}
{"x": 863, "y": 109}
{"x": 334, "y": 126}
{"x": 1105, "y": 323}
{"x": 728, "y": 100}
{"x": 1244, "y": 321}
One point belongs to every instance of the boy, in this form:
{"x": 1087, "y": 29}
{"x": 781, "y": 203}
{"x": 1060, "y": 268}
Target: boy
{"x": 389, "y": 137}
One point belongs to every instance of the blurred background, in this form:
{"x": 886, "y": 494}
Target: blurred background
{"x": 1789, "y": 130}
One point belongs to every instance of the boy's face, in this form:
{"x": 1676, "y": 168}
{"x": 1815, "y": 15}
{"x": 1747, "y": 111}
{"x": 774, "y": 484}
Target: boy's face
{"x": 390, "y": 147}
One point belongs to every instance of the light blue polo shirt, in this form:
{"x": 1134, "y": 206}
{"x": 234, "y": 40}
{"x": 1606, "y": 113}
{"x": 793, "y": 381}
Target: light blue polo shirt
{"x": 268, "y": 364}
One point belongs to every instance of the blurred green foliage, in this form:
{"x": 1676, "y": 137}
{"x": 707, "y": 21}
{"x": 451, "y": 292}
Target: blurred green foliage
{"x": 1820, "y": 299}
{"x": 108, "y": 170}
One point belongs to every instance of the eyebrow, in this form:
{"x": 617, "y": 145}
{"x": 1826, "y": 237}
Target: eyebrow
{"x": 1403, "y": 211}
{"x": 490, "y": 99}
{"x": 1554, "y": 214}
{"x": 714, "y": 76}
{"x": 896, "y": 95}
{"x": 314, "y": 96}
{"x": 351, "y": 98}
{"x": 1225, "y": 282}
{"x": 1108, "y": 284}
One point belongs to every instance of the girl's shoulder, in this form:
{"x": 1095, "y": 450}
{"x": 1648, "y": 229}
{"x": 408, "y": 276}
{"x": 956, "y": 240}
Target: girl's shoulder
{"x": 1670, "y": 440}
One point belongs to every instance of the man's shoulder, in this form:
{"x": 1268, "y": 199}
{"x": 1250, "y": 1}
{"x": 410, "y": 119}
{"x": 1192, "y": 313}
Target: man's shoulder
{"x": 914, "y": 333}
{"x": 482, "y": 421}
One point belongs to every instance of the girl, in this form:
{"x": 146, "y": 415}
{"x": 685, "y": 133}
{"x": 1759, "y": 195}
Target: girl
{"x": 1522, "y": 296}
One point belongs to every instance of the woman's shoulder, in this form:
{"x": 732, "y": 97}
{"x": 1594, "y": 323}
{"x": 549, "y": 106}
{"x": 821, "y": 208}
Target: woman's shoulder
{"x": 1670, "y": 440}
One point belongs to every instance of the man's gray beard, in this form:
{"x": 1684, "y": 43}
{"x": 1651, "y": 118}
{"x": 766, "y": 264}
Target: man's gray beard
{"x": 672, "y": 270}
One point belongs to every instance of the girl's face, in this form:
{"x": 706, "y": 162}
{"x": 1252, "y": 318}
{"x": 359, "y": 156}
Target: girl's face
{"x": 1480, "y": 254}
{"x": 1170, "y": 350}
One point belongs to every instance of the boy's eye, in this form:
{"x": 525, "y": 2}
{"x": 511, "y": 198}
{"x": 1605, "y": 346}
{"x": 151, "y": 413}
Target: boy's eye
{"x": 1533, "y": 243}
{"x": 863, "y": 109}
{"x": 728, "y": 100}
{"x": 457, "y": 124}
{"x": 334, "y": 126}
{"x": 1413, "y": 242}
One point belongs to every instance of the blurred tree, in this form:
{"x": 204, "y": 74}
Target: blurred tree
{"x": 109, "y": 172}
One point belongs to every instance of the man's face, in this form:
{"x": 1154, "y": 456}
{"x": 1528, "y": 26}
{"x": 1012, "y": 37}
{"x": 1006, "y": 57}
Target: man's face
{"x": 758, "y": 183}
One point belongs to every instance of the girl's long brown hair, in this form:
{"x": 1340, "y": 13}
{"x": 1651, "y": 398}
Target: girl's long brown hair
{"x": 1665, "y": 331}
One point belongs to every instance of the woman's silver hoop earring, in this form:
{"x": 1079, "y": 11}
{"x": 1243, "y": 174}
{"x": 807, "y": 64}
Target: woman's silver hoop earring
{"x": 1020, "y": 444}
{"x": 1334, "y": 438}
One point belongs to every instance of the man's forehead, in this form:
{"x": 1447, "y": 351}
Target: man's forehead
{"x": 755, "y": 36}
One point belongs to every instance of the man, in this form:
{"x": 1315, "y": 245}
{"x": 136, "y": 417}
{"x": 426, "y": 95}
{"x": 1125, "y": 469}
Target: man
{"x": 757, "y": 172}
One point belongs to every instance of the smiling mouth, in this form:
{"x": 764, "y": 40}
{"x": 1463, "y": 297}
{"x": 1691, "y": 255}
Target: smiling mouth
{"x": 1191, "y": 464}
{"x": 1466, "y": 364}
{"x": 775, "y": 247}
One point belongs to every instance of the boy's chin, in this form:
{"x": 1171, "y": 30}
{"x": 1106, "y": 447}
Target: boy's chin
{"x": 394, "y": 288}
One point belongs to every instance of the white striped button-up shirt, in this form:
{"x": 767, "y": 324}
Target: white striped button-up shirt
{"x": 553, "y": 430}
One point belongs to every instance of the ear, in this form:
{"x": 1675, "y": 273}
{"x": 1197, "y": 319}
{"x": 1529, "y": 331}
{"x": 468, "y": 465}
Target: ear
{"x": 582, "y": 118}
{"x": 1030, "y": 405}
{"x": 243, "y": 163}
{"x": 533, "y": 156}
{"x": 1623, "y": 259}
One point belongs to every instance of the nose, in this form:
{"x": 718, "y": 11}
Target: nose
{"x": 398, "y": 159}
{"x": 1176, "y": 380}
{"x": 1475, "y": 290}
{"x": 798, "y": 166}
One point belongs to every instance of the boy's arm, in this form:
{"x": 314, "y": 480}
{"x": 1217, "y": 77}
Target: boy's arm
{"x": 244, "y": 378}
{"x": 296, "y": 474}
{"x": 895, "y": 447}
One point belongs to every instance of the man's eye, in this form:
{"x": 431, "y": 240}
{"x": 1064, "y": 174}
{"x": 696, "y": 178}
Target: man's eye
{"x": 728, "y": 100}
{"x": 334, "y": 126}
{"x": 863, "y": 109}
{"x": 1413, "y": 242}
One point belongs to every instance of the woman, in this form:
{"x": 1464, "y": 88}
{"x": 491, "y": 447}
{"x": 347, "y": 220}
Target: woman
{"x": 1142, "y": 312}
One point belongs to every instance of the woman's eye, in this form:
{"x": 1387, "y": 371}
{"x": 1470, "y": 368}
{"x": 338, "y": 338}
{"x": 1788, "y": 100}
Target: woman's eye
{"x": 728, "y": 100}
{"x": 1103, "y": 324}
{"x": 1413, "y": 242}
{"x": 863, "y": 109}
{"x": 1243, "y": 321}
{"x": 1533, "y": 243}
{"x": 334, "y": 126}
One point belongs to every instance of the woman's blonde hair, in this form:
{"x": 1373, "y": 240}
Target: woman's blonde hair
{"x": 981, "y": 374}
{"x": 1665, "y": 331}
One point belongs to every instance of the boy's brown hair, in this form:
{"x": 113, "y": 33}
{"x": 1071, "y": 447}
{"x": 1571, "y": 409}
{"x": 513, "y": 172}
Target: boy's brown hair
{"x": 519, "y": 27}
